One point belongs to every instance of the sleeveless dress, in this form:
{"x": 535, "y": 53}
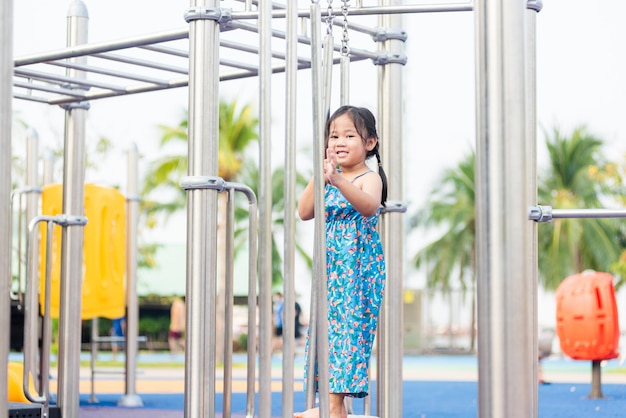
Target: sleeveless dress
{"x": 355, "y": 268}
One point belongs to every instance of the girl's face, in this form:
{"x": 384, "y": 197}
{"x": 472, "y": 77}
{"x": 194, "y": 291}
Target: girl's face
{"x": 350, "y": 148}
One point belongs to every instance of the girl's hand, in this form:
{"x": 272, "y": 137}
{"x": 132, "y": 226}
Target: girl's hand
{"x": 330, "y": 167}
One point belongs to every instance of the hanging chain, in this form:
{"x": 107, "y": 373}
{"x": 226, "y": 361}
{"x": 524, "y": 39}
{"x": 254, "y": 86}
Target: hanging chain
{"x": 345, "y": 49}
{"x": 329, "y": 18}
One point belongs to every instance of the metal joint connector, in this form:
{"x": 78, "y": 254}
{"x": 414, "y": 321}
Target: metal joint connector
{"x": 69, "y": 220}
{"x": 540, "y": 213}
{"x": 203, "y": 13}
{"x": 384, "y": 34}
{"x": 77, "y": 105}
{"x": 389, "y": 58}
{"x": 203, "y": 182}
{"x": 535, "y": 5}
{"x": 396, "y": 206}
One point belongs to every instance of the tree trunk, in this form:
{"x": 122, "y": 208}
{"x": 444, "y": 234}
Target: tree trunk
{"x": 473, "y": 323}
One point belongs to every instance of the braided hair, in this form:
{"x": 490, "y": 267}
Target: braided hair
{"x": 365, "y": 124}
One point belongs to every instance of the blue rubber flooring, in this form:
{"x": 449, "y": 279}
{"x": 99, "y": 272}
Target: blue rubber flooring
{"x": 421, "y": 399}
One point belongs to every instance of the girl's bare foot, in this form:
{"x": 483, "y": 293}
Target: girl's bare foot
{"x": 309, "y": 413}
{"x": 315, "y": 413}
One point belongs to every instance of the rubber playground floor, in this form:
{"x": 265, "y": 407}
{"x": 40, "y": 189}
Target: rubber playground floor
{"x": 433, "y": 386}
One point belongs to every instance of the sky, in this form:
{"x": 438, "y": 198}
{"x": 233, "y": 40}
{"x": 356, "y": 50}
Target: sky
{"x": 581, "y": 61}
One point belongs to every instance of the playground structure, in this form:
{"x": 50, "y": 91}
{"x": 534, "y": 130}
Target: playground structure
{"x": 505, "y": 144}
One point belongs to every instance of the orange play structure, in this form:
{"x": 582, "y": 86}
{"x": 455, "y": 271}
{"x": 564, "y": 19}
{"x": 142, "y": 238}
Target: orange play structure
{"x": 587, "y": 320}
{"x": 104, "y": 251}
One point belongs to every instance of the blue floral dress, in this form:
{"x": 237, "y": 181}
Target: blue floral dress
{"x": 356, "y": 278}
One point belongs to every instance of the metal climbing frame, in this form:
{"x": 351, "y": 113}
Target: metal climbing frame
{"x": 506, "y": 126}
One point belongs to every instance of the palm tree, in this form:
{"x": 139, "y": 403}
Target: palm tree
{"x": 452, "y": 254}
{"x": 575, "y": 180}
{"x": 577, "y": 177}
{"x": 237, "y": 129}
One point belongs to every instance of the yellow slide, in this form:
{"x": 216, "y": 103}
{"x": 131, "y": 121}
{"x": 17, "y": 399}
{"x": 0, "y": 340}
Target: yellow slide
{"x": 15, "y": 386}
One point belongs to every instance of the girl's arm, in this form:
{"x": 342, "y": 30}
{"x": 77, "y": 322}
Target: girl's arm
{"x": 364, "y": 195}
{"x": 306, "y": 203}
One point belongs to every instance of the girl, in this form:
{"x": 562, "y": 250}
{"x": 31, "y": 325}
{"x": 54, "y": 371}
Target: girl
{"x": 354, "y": 256}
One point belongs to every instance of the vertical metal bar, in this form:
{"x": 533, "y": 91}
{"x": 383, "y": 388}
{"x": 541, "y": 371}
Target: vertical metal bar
{"x": 203, "y": 137}
{"x": 32, "y": 198}
{"x": 252, "y": 301}
{"x": 48, "y": 168}
{"x": 345, "y": 80}
{"x": 291, "y": 71}
{"x": 72, "y": 241}
{"x": 390, "y": 342}
{"x": 327, "y": 72}
{"x": 531, "y": 154}
{"x": 31, "y": 335}
{"x": 229, "y": 259}
{"x": 6, "y": 118}
{"x": 94, "y": 355}
{"x": 314, "y": 315}
{"x": 131, "y": 398}
{"x": 505, "y": 306}
{"x": 319, "y": 291}
{"x": 265, "y": 209}
{"x": 46, "y": 335}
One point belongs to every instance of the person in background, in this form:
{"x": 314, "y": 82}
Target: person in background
{"x": 277, "y": 340}
{"x": 118, "y": 330}
{"x": 176, "y": 336}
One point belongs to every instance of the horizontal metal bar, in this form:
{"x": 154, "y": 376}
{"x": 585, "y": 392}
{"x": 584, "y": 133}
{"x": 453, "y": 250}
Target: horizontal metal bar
{"x": 30, "y": 98}
{"x": 144, "y": 88}
{"x": 374, "y": 10}
{"x": 89, "y": 49}
{"x": 588, "y": 213}
{"x": 546, "y": 213}
{"x": 78, "y": 82}
{"x": 106, "y": 71}
{"x": 143, "y": 63}
{"x": 166, "y": 50}
{"x": 49, "y": 88}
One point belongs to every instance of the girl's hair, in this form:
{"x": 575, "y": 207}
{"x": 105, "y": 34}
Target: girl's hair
{"x": 365, "y": 124}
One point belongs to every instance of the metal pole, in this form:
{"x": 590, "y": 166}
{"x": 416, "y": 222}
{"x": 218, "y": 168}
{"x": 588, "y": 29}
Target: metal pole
{"x": 229, "y": 259}
{"x": 72, "y": 238}
{"x": 546, "y": 213}
{"x": 131, "y": 398}
{"x": 203, "y": 137}
{"x": 32, "y": 198}
{"x": 6, "y": 118}
{"x": 506, "y": 356}
{"x": 48, "y": 168}
{"x": 531, "y": 152}
{"x": 291, "y": 71}
{"x": 318, "y": 345}
{"x": 390, "y": 343}
{"x": 94, "y": 355}
{"x": 265, "y": 209}
{"x": 32, "y": 275}
{"x": 252, "y": 299}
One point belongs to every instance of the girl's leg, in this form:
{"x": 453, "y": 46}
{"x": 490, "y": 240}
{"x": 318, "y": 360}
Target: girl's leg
{"x": 337, "y": 407}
